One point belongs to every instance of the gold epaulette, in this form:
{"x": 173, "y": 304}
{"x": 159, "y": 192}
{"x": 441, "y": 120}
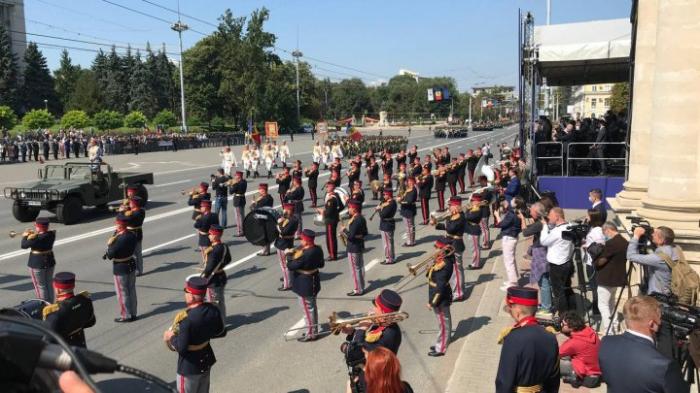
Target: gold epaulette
{"x": 504, "y": 332}
{"x": 85, "y": 294}
{"x": 551, "y": 329}
{"x": 455, "y": 217}
{"x": 51, "y": 308}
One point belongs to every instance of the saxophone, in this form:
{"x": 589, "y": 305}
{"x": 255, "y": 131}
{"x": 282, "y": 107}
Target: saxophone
{"x": 175, "y": 327}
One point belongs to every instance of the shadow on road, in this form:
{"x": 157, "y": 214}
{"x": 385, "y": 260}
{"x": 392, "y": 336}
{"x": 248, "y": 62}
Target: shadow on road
{"x": 238, "y": 320}
{"x": 247, "y": 271}
{"x": 381, "y": 283}
{"x": 168, "y": 250}
{"x": 469, "y": 325}
{"x": 170, "y": 266}
{"x": 101, "y": 295}
{"x": 163, "y": 308}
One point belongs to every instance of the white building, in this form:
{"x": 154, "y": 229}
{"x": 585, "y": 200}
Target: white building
{"x": 410, "y": 73}
{"x": 591, "y": 100}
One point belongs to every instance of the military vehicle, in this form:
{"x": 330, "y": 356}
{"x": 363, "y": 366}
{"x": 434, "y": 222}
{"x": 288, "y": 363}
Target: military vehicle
{"x": 67, "y": 189}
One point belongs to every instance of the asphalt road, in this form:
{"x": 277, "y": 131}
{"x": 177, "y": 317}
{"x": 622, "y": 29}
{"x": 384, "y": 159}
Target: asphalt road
{"x": 254, "y": 357}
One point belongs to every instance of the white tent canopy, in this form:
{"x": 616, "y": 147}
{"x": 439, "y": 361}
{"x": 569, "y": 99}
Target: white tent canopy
{"x": 585, "y": 52}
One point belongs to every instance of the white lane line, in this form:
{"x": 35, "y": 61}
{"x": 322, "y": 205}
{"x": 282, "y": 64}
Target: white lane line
{"x": 158, "y": 246}
{"x": 171, "y": 183}
{"x": 171, "y": 213}
{"x": 185, "y": 169}
{"x": 239, "y": 262}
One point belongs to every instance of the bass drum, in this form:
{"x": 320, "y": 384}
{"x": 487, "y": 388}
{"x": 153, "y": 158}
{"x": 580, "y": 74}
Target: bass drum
{"x": 30, "y": 309}
{"x": 260, "y": 226}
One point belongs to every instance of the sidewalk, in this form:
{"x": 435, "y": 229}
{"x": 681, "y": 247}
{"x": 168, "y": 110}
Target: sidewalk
{"x": 477, "y": 363}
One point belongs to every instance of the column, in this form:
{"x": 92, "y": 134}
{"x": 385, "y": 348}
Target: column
{"x": 645, "y": 55}
{"x": 673, "y": 194}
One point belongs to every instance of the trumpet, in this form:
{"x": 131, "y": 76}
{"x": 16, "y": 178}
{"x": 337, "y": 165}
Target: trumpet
{"x": 294, "y": 253}
{"x": 423, "y": 266}
{"x": 175, "y": 327}
{"x": 115, "y": 208}
{"x": 336, "y": 324}
{"x": 256, "y": 198}
{"x": 27, "y": 232}
{"x": 193, "y": 191}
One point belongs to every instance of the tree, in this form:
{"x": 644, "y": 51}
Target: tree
{"x": 151, "y": 105}
{"x": 86, "y": 95}
{"x": 8, "y": 118}
{"x": 351, "y": 97}
{"x": 138, "y": 85}
{"x": 37, "y": 85}
{"x": 66, "y": 77}
{"x": 75, "y": 119}
{"x": 8, "y": 72}
{"x": 37, "y": 118}
{"x": 619, "y": 98}
{"x": 165, "y": 118}
{"x": 107, "y": 120}
{"x": 116, "y": 93}
{"x": 135, "y": 119}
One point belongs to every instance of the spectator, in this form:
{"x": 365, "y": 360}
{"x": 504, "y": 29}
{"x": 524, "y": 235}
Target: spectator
{"x": 630, "y": 362}
{"x": 513, "y": 187}
{"x": 594, "y": 236}
{"x": 559, "y": 252}
{"x": 659, "y": 274}
{"x": 610, "y": 273}
{"x": 539, "y": 267}
{"x": 508, "y": 221}
{"x": 381, "y": 373}
{"x": 595, "y": 196}
{"x": 579, "y": 354}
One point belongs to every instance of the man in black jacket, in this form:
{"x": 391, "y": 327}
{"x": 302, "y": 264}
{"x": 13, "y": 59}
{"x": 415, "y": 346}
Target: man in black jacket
{"x": 41, "y": 259}
{"x": 630, "y": 362}
{"x": 440, "y": 294}
{"x": 71, "y": 314}
{"x": 216, "y": 257}
{"x": 237, "y": 188}
{"x": 387, "y": 225}
{"x": 610, "y": 275}
{"x": 355, "y": 233}
{"x": 304, "y": 264}
{"x": 408, "y": 211}
{"x": 286, "y": 226}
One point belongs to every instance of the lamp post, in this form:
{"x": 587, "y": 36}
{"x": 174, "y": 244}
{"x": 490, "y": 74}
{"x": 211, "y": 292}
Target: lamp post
{"x": 297, "y": 54}
{"x": 180, "y": 27}
{"x": 46, "y": 105}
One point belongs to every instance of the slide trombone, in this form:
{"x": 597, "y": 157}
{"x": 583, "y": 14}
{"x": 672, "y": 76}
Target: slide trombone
{"x": 27, "y": 232}
{"x": 336, "y": 324}
{"x": 423, "y": 266}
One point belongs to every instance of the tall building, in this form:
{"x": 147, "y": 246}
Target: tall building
{"x": 12, "y": 19}
{"x": 591, "y": 100}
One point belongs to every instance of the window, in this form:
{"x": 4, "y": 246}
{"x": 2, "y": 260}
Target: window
{"x": 607, "y": 102}
{"x": 593, "y": 103}
{"x": 594, "y": 88}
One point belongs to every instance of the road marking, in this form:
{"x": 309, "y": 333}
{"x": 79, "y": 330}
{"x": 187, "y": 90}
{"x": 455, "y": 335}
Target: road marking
{"x": 241, "y": 261}
{"x": 158, "y": 246}
{"x": 172, "y": 183}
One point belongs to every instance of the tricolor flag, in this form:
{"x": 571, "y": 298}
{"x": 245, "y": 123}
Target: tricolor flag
{"x": 431, "y": 96}
{"x": 438, "y": 95}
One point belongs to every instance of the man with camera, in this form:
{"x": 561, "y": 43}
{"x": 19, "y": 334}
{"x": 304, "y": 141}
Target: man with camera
{"x": 659, "y": 273}
{"x": 630, "y": 362}
{"x": 579, "y": 354}
{"x": 559, "y": 253}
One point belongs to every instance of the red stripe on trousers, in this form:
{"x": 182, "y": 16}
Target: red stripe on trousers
{"x": 351, "y": 258}
{"x": 458, "y": 280}
{"x": 307, "y": 314}
{"x": 182, "y": 384}
{"x": 476, "y": 255}
{"x": 36, "y": 287}
{"x": 442, "y": 329}
{"x": 119, "y": 296}
{"x": 283, "y": 264}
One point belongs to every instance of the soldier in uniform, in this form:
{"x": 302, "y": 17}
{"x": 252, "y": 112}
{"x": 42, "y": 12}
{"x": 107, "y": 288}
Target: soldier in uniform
{"x": 428, "y": 161}
{"x": 413, "y": 154}
{"x": 71, "y": 313}
{"x": 120, "y": 249}
{"x": 297, "y": 169}
{"x": 263, "y": 199}
{"x": 387, "y": 182}
{"x": 530, "y": 355}
{"x": 400, "y": 158}
{"x": 387, "y": 225}
{"x": 461, "y": 172}
{"x": 472, "y": 161}
{"x": 407, "y": 201}
{"x": 196, "y": 325}
{"x": 373, "y": 175}
{"x": 202, "y": 224}
{"x": 336, "y": 167}
{"x": 45, "y": 148}
{"x": 219, "y": 184}
{"x": 486, "y": 196}
{"x": 387, "y": 163}
{"x": 35, "y": 148}
{"x": 216, "y": 257}
{"x": 355, "y": 232}
{"x": 425, "y": 185}
{"x": 452, "y": 176}
{"x": 295, "y": 196}
{"x": 312, "y": 175}
{"x": 331, "y": 216}
{"x": 237, "y": 188}
{"x": 387, "y": 336}
{"x": 54, "y": 148}
{"x": 335, "y": 178}
{"x": 440, "y": 293}
{"x": 454, "y": 228}
{"x": 283, "y": 181}
{"x": 354, "y": 173}
{"x": 41, "y": 259}
{"x": 304, "y": 263}
{"x": 473, "y": 230}
{"x": 286, "y": 226}
{"x": 357, "y": 193}
{"x": 440, "y": 184}
{"x": 136, "y": 214}
{"x": 198, "y": 196}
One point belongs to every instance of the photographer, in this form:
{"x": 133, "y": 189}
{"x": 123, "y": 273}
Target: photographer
{"x": 539, "y": 267}
{"x": 659, "y": 273}
{"x": 592, "y": 246}
{"x": 508, "y": 221}
{"x": 610, "y": 274}
{"x": 381, "y": 373}
{"x": 219, "y": 184}
{"x": 559, "y": 253}
{"x": 579, "y": 354}
{"x": 630, "y": 362}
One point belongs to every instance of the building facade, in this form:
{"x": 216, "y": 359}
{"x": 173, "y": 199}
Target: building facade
{"x": 591, "y": 100}
{"x": 12, "y": 19}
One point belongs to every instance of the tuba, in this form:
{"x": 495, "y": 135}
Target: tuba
{"x": 175, "y": 327}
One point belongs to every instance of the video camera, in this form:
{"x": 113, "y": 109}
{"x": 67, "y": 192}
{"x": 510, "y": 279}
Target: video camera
{"x": 576, "y": 232}
{"x": 645, "y": 240}
{"x": 684, "y": 319}
{"x": 355, "y": 361}
{"x": 553, "y": 323}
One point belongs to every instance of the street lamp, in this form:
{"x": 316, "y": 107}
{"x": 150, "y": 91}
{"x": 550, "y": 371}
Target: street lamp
{"x": 180, "y": 27}
{"x": 297, "y": 54}
{"x": 46, "y": 105}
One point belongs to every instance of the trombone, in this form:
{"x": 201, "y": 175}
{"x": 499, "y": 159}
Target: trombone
{"x": 423, "y": 266}
{"x": 336, "y": 324}
{"x": 27, "y": 232}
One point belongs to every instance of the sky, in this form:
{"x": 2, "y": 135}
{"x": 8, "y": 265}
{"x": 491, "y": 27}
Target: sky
{"x": 473, "y": 41}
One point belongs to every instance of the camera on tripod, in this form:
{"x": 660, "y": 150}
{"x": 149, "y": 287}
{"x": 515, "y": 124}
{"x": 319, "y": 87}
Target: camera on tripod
{"x": 355, "y": 361}
{"x": 684, "y": 319}
{"x": 644, "y": 240}
{"x": 576, "y": 232}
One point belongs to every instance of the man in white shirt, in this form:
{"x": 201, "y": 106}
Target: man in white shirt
{"x": 559, "y": 253}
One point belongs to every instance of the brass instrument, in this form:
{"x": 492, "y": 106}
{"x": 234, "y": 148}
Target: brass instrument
{"x": 336, "y": 324}
{"x": 342, "y": 235}
{"x": 376, "y": 186}
{"x": 424, "y": 265}
{"x": 191, "y": 192}
{"x": 232, "y": 182}
{"x": 28, "y": 233}
{"x": 256, "y": 198}
{"x": 294, "y": 253}
{"x": 436, "y": 216}
{"x": 175, "y": 327}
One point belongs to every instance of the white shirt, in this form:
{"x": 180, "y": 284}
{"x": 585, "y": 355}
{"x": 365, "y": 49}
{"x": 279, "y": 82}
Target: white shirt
{"x": 559, "y": 251}
{"x": 644, "y": 336}
{"x": 595, "y": 235}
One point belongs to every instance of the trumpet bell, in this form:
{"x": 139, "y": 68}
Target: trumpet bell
{"x": 12, "y": 234}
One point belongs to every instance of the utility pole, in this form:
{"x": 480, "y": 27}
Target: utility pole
{"x": 470, "y": 111}
{"x": 297, "y": 54}
{"x": 180, "y": 27}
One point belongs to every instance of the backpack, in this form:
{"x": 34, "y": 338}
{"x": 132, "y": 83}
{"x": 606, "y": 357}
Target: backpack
{"x": 685, "y": 282}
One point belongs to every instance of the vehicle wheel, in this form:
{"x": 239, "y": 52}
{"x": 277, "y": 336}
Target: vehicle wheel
{"x": 70, "y": 211}
{"x": 142, "y": 192}
{"x": 24, "y": 213}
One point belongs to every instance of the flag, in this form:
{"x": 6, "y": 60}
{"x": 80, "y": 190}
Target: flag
{"x": 438, "y": 95}
{"x": 431, "y": 96}
{"x": 445, "y": 94}
{"x": 355, "y": 134}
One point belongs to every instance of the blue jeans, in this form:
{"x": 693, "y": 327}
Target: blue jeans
{"x": 220, "y": 208}
{"x": 545, "y": 292}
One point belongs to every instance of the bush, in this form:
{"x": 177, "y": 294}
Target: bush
{"x": 108, "y": 120}
{"x": 8, "y": 118}
{"x": 135, "y": 119}
{"x": 75, "y": 119}
{"x": 37, "y": 118}
{"x": 165, "y": 118}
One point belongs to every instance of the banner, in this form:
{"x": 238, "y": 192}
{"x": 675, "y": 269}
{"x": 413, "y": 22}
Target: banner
{"x": 445, "y": 94}
{"x": 431, "y": 96}
{"x": 484, "y": 103}
{"x": 271, "y": 130}
{"x": 438, "y": 95}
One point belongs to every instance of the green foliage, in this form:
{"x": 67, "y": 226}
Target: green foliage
{"x": 37, "y": 87}
{"x": 8, "y": 72}
{"x": 37, "y": 118}
{"x": 8, "y": 118}
{"x": 165, "y": 118}
{"x": 351, "y": 97}
{"x": 107, "y": 120}
{"x": 75, "y": 119}
{"x": 66, "y": 78}
{"x": 135, "y": 119}
{"x": 620, "y": 96}
{"x": 86, "y": 95}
